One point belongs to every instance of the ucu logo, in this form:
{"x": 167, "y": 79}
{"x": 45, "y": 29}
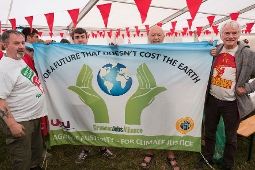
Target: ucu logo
{"x": 65, "y": 126}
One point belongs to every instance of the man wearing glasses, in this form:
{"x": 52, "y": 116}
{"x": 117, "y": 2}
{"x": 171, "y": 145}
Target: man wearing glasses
{"x": 227, "y": 94}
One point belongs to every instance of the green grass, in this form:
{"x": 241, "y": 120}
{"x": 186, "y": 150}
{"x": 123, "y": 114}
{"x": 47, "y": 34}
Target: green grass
{"x": 127, "y": 159}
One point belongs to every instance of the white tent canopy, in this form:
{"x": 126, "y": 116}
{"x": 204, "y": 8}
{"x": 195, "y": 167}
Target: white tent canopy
{"x": 124, "y": 13}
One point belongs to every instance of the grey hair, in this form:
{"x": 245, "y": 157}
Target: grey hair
{"x": 232, "y": 24}
{"x": 7, "y": 33}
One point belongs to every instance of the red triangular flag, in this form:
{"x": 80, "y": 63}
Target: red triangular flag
{"x": 215, "y": 29}
{"x": 190, "y": 22}
{"x": 159, "y": 24}
{"x": 30, "y": 21}
{"x": 105, "y": 11}
{"x": 185, "y": 30}
{"x": 13, "y": 23}
{"x": 193, "y": 7}
{"x": 50, "y": 33}
{"x": 211, "y": 19}
{"x": 190, "y": 33}
{"x": 173, "y": 24}
{"x": 74, "y": 13}
{"x": 40, "y": 33}
{"x": 50, "y": 20}
{"x": 147, "y": 27}
{"x": 109, "y": 34}
{"x": 234, "y": 16}
{"x": 199, "y": 30}
{"x": 249, "y": 25}
{"x": 143, "y": 7}
{"x": 123, "y": 36}
{"x": 61, "y": 34}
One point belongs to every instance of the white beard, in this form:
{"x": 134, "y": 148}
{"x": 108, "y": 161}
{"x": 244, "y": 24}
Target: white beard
{"x": 20, "y": 56}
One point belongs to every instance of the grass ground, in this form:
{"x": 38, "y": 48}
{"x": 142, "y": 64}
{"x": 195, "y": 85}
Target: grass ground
{"x": 127, "y": 159}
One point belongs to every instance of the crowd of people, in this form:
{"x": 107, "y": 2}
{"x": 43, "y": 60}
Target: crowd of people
{"x": 23, "y": 105}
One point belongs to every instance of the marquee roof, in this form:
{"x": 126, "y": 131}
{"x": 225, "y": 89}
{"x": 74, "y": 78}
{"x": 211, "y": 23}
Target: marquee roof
{"x": 123, "y": 13}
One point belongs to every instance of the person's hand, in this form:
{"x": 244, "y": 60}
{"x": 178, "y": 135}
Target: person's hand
{"x": 88, "y": 95}
{"x": 213, "y": 52}
{"x": 47, "y": 42}
{"x": 240, "y": 91}
{"x": 17, "y": 129}
{"x": 145, "y": 94}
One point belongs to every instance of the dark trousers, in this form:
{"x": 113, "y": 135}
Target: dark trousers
{"x": 214, "y": 108}
{"x": 27, "y": 150}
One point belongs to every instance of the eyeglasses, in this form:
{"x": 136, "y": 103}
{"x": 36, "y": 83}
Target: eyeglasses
{"x": 29, "y": 49}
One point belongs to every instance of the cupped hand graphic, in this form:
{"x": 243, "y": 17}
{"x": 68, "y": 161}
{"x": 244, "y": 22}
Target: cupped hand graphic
{"x": 145, "y": 94}
{"x": 89, "y": 96}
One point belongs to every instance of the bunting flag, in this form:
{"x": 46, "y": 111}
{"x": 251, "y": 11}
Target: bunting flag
{"x": 13, "y": 23}
{"x": 143, "y": 7}
{"x": 185, "y": 30}
{"x": 51, "y": 34}
{"x": 74, "y": 13}
{"x": 190, "y": 33}
{"x": 190, "y": 22}
{"x": 61, "y": 34}
{"x": 234, "y": 16}
{"x": 199, "y": 30}
{"x": 50, "y": 20}
{"x": 193, "y": 7}
{"x": 215, "y": 29}
{"x": 211, "y": 19}
{"x": 30, "y": 22}
{"x": 40, "y": 33}
{"x": 105, "y": 12}
{"x": 159, "y": 24}
{"x": 249, "y": 25}
{"x": 173, "y": 23}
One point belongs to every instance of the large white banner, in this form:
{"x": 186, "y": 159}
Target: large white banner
{"x": 133, "y": 96}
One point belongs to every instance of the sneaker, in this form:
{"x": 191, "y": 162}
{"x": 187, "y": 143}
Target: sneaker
{"x": 107, "y": 153}
{"x": 201, "y": 163}
{"x": 83, "y": 155}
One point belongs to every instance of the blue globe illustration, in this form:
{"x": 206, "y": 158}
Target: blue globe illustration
{"x": 114, "y": 79}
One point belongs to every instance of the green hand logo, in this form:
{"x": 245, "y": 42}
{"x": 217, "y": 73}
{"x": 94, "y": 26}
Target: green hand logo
{"x": 88, "y": 95}
{"x": 143, "y": 97}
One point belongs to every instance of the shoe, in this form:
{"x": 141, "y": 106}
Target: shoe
{"x": 83, "y": 155}
{"x": 46, "y": 154}
{"x": 201, "y": 163}
{"x": 147, "y": 163}
{"x": 174, "y": 165}
{"x": 107, "y": 153}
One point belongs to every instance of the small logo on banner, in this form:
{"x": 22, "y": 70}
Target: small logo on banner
{"x": 184, "y": 125}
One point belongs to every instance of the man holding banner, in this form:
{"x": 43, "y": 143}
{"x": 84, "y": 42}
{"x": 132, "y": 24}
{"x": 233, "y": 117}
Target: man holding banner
{"x": 228, "y": 92}
{"x": 157, "y": 36}
{"x": 79, "y": 36}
